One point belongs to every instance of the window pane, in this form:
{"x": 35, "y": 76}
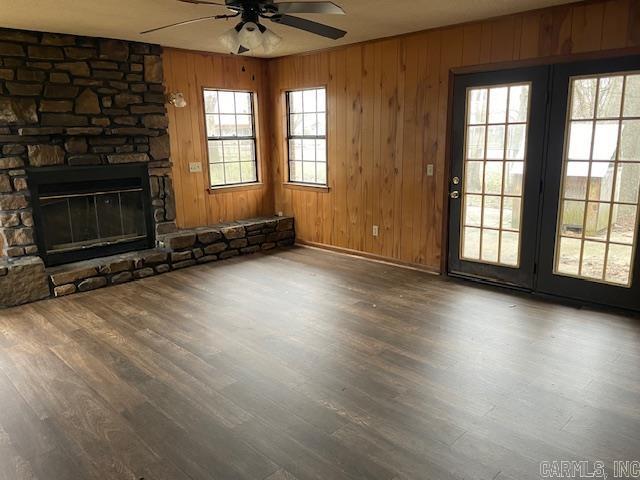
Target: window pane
{"x": 583, "y": 98}
{"x": 593, "y": 259}
{"x": 605, "y": 142}
{"x": 601, "y": 181}
{"x": 211, "y": 101}
{"x": 610, "y": 97}
{"x": 310, "y": 124}
{"x": 321, "y": 150}
{"x": 490, "y": 240}
{"x": 217, "y": 174}
{"x": 227, "y": 102}
{"x": 295, "y": 149}
{"x": 513, "y": 175}
{"x": 511, "y": 207}
{"x": 627, "y": 182}
{"x": 477, "y": 106}
{"x": 575, "y": 180}
{"x": 509, "y": 248}
{"x": 215, "y": 151}
{"x": 569, "y": 256}
{"x": 473, "y": 210}
{"x": 309, "y": 172}
{"x": 245, "y": 127}
{"x": 475, "y": 142}
{"x": 228, "y": 126}
{"x": 629, "y": 144}
{"x": 491, "y": 212}
{"x": 232, "y": 172}
{"x": 321, "y": 173}
{"x": 322, "y": 124}
{"x": 474, "y": 176}
{"x": 597, "y": 221}
{"x": 471, "y": 243}
{"x": 308, "y": 150}
{"x": 493, "y": 178}
{"x": 213, "y": 125}
{"x": 322, "y": 100}
{"x": 295, "y": 125}
{"x": 247, "y": 152}
{"x": 619, "y": 264}
{"x": 518, "y": 103}
{"x": 309, "y": 100}
{"x": 580, "y": 140}
{"x": 295, "y": 171}
{"x": 572, "y": 218}
{"x": 516, "y": 141}
{"x": 243, "y": 102}
{"x": 495, "y": 142}
{"x": 231, "y": 151}
{"x": 248, "y": 171}
{"x": 295, "y": 102}
{"x": 498, "y": 104}
{"x": 632, "y": 97}
{"x": 623, "y": 222}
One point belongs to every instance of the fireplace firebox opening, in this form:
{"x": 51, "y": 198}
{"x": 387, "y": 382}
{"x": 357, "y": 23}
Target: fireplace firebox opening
{"x": 88, "y": 212}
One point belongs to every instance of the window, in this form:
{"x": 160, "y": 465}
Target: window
{"x": 307, "y": 136}
{"x": 494, "y": 166}
{"x": 231, "y": 137}
{"x": 598, "y": 219}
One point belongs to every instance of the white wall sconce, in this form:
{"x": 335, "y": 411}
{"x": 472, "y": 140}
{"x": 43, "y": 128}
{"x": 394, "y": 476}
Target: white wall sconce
{"x": 176, "y": 99}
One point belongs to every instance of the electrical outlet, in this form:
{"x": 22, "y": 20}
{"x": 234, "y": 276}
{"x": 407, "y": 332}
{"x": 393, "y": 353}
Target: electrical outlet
{"x": 376, "y": 230}
{"x": 430, "y": 170}
{"x": 195, "y": 167}
{"x": 280, "y": 214}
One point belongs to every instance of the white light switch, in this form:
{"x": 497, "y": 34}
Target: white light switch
{"x": 195, "y": 167}
{"x": 430, "y": 170}
{"x": 376, "y": 230}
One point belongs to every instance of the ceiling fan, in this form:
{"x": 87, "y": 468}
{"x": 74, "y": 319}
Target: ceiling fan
{"x": 250, "y": 34}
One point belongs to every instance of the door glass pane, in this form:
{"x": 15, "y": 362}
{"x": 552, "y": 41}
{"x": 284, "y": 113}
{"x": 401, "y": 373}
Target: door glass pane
{"x": 596, "y": 237}
{"x": 494, "y": 166}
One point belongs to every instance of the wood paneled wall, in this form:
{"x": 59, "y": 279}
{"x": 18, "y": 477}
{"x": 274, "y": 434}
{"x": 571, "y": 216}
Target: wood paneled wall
{"x": 388, "y": 105}
{"x": 189, "y": 73}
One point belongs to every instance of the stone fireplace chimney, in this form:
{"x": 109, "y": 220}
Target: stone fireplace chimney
{"x": 69, "y": 101}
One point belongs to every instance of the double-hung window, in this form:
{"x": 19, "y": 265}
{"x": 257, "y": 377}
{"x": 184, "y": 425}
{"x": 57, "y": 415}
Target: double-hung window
{"x": 231, "y": 137}
{"x": 307, "y": 136}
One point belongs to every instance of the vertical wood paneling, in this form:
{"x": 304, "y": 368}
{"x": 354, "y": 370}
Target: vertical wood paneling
{"x": 189, "y": 73}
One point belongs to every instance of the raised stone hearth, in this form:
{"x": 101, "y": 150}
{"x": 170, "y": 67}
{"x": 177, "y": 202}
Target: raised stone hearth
{"x": 178, "y": 250}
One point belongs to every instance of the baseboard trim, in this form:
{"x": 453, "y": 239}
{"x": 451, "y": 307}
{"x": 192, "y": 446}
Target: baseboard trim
{"x": 366, "y": 256}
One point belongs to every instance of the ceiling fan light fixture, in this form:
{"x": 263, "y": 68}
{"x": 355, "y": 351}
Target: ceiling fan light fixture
{"x": 230, "y": 40}
{"x": 250, "y": 36}
{"x": 270, "y": 41}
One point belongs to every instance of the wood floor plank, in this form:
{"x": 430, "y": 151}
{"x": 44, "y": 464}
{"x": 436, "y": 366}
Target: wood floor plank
{"x": 308, "y": 365}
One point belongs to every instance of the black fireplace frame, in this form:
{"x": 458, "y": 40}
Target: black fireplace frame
{"x": 57, "y": 175}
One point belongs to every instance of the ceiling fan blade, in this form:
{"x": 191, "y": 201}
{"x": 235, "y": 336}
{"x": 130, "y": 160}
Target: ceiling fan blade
{"x": 202, "y": 2}
{"x": 329, "y": 8}
{"x": 309, "y": 26}
{"x": 186, "y": 22}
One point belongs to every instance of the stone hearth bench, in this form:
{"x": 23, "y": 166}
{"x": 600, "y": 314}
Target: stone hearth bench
{"x": 177, "y": 250}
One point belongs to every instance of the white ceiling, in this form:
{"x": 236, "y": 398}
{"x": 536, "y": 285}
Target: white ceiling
{"x": 365, "y": 19}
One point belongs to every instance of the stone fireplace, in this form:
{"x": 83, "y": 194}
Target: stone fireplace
{"x": 84, "y": 149}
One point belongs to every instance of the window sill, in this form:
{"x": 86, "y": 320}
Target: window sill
{"x": 306, "y": 186}
{"x": 234, "y": 188}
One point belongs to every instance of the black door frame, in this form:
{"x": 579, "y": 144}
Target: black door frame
{"x": 546, "y": 281}
{"x": 521, "y": 277}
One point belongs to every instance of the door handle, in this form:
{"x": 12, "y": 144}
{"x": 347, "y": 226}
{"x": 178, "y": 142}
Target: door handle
{"x": 455, "y": 194}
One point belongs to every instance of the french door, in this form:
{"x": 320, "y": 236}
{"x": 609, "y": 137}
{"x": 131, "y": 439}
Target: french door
{"x": 545, "y": 197}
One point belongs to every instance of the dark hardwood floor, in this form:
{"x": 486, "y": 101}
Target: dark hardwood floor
{"x": 304, "y": 364}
